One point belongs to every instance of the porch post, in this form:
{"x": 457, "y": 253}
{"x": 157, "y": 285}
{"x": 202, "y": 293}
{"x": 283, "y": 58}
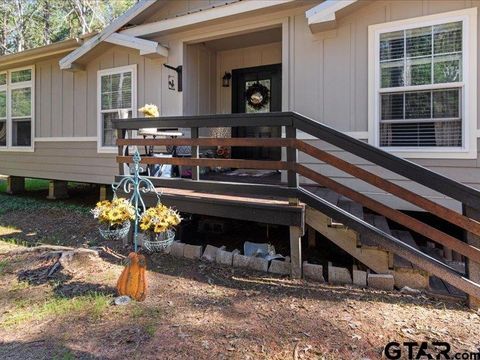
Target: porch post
{"x": 292, "y": 157}
{"x": 296, "y": 251}
{"x": 472, "y": 268}
{"x": 195, "y": 154}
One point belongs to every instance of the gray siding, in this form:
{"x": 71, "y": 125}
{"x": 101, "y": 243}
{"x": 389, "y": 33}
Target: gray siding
{"x": 72, "y": 161}
{"x": 330, "y": 80}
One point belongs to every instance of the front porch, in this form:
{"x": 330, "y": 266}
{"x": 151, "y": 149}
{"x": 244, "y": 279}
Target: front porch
{"x": 368, "y": 237}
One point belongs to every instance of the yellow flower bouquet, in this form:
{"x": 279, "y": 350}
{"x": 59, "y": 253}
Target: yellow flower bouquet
{"x": 114, "y": 217}
{"x": 149, "y": 110}
{"x": 159, "y": 219}
{"x": 158, "y": 224}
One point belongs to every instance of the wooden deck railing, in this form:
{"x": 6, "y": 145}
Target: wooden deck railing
{"x": 468, "y": 196}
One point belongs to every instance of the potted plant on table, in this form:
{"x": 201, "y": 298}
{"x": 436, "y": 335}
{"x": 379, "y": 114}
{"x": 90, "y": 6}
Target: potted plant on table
{"x": 114, "y": 218}
{"x": 158, "y": 224}
{"x": 149, "y": 111}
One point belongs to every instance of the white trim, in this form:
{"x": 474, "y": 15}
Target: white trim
{"x": 66, "y": 139}
{"x": 325, "y": 11}
{"x": 202, "y": 16}
{"x": 67, "y": 62}
{"x": 8, "y": 88}
{"x": 146, "y": 47}
{"x": 133, "y": 69}
{"x": 469, "y": 66}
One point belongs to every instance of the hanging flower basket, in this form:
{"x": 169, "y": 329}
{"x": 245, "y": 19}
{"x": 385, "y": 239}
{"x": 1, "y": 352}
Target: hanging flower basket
{"x": 155, "y": 242}
{"x": 114, "y": 233}
{"x": 114, "y": 218}
{"x": 158, "y": 225}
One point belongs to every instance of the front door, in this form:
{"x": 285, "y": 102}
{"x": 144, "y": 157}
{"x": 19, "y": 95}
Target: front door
{"x": 257, "y": 89}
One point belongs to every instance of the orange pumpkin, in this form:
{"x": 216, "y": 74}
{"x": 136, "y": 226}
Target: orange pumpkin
{"x": 132, "y": 281}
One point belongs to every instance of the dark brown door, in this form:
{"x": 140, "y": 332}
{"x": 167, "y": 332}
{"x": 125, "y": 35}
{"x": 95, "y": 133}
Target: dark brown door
{"x": 245, "y": 83}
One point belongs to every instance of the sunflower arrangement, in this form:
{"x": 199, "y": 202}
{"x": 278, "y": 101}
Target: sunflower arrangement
{"x": 150, "y": 110}
{"x": 159, "y": 219}
{"x": 114, "y": 213}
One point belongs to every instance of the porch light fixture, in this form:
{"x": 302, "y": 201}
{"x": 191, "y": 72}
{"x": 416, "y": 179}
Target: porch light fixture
{"x": 226, "y": 79}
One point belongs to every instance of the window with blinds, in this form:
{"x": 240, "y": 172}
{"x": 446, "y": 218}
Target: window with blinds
{"x": 420, "y": 90}
{"x": 16, "y": 109}
{"x": 116, "y": 100}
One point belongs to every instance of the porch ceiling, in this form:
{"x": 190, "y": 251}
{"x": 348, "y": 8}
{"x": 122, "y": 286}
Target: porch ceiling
{"x": 245, "y": 40}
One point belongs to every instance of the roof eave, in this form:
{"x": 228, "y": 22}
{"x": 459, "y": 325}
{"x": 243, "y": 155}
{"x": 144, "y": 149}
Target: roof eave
{"x": 68, "y": 61}
{"x": 323, "y": 16}
{"x": 32, "y": 55}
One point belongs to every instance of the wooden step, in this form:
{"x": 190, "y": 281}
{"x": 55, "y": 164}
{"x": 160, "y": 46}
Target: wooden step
{"x": 374, "y": 258}
{"x": 380, "y": 222}
{"x": 352, "y": 207}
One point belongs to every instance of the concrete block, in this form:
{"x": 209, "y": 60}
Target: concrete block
{"x": 313, "y": 271}
{"x": 192, "y": 251}
{"x": 412, "y": 278}
{"x": 338, "y": 275}
{"x": 210, "y": 253}
{"x": 280, "y": 267}
{"x": 359, "y": 278}
{"x": 224, "y": 257}
{"x": 240, "y": 260}
{"x": 258, "y": 263}
{"x": 381, "y": 281}
{"x": 177, "y": 249}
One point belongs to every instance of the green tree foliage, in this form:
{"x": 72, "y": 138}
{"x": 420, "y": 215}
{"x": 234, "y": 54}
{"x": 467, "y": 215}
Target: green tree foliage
{"x": 26, "y": 24}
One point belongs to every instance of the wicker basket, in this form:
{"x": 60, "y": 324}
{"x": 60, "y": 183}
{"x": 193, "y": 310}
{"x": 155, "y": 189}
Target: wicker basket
{"x": 158, "y": 242}
{"x": 114, "y": 234}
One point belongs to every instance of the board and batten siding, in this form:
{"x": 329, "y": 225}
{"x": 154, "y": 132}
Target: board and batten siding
{"x": 66, "y": 107}
{"x": 330, "y": 84}
{"x": 69, "y": 161}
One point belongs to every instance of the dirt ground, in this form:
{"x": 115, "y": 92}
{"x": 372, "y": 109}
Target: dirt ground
{"x": 194, "y": 310}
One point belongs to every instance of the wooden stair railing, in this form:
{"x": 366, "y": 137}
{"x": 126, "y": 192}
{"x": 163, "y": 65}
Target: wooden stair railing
{"x": 469, "y": 197}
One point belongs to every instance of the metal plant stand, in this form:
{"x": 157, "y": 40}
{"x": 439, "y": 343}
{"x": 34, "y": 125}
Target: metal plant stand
{"x": 136, "y": 185}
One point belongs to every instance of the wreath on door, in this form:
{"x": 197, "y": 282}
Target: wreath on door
{"x": 257, "y": 96}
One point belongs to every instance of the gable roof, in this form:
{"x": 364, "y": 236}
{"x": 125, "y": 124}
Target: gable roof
{"x": 118, "y": 32}
{"x": 118, "y": 23}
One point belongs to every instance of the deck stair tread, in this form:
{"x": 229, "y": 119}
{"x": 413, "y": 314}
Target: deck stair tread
{"x": 352, "y": 207}
{"x": 380, "y": 222}
{"x": 436, "y": 283}
{"x": 329, "y": 195}
{"x": 407, "y": 238}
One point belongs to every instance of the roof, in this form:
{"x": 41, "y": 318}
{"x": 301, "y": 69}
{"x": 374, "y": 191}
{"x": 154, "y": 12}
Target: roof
{"x": 127, "y": 28}
{"x": 42, "y": 52}
{"x": 118, "y": 23}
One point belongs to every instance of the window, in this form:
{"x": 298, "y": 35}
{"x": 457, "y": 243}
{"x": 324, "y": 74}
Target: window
{"x": 16, "y": 109}
{"x": 424, "y": 84}
{"x": 116, "y": 99}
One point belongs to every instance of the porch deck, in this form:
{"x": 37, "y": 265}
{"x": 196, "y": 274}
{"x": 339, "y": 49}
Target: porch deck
{"x": 269, "y": 209}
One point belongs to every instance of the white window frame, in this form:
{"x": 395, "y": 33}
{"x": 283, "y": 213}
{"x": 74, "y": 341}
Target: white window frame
{"x": 8, "y": 87}
{"x": 468, "y": 86}
{"x": 117, "y": 70}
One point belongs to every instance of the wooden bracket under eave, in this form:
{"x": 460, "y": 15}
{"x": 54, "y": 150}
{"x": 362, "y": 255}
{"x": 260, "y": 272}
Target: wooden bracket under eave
{"x": 322, "y": 26}
{"x": 74, "y": 67}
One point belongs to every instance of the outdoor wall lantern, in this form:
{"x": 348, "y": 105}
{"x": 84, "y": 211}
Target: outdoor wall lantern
{"x": 226, "y": 79}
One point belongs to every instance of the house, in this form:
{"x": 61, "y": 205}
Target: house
{"x": 398, "y": 75}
